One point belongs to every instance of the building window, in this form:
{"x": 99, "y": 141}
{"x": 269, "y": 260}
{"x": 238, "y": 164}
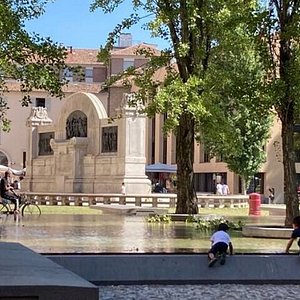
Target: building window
{"x": 173, "y": 150}
{"x": 44, "y": 143}
{"x": 109, "y": 139}
{"x": 165, "y": 143}
{"x": 68, "y": 75}
{"x": 127, "y": 63}
{"x": 257, "y": 184}
{"x": 24, "y": 159}
{"x": 89, "y": 75}
{"x": 40, "y": 102}
{"x": 153, "y": 125}
{"x": 204, "y": 155}
{"x": 206, "y": 182}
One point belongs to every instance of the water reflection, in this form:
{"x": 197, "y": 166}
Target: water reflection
{"x": 115, "y": 233}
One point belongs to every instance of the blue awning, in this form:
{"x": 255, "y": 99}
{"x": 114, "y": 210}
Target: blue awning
{"x": 161, "y": 168}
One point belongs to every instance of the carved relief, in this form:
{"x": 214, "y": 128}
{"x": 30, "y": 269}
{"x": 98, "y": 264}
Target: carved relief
{"x": 110, "y": 139}
{"x": 76, "y": 125}
{"x": 44, "y": 143}
{"x": 38, "y": 116}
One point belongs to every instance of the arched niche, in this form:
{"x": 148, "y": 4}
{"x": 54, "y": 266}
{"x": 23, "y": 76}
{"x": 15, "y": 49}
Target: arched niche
{"x": 94, "y": 111}
{"x": 76, "y": 125}
{"x": 3, "y": 159}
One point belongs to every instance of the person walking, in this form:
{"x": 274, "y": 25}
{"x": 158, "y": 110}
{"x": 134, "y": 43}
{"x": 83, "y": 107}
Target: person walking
{"x": 219, "y": 189}
{"x": 123, "y": 189}
{"x": 271, "y": 195}
{"x": 225, "y": 189}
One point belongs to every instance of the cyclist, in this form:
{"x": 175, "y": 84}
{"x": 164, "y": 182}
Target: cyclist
{"x": 7, "y": 191}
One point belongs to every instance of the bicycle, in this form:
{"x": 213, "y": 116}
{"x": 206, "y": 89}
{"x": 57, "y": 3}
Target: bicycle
{"x": 26, "y": 206}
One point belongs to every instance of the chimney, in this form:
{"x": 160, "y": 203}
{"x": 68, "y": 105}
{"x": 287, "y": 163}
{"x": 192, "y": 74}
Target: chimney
{"x": 125, "y": 40}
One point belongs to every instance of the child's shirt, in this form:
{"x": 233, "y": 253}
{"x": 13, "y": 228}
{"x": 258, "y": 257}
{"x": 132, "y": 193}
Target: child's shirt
{"x": 221, "y": 236}
{"x": 295, "y": 233}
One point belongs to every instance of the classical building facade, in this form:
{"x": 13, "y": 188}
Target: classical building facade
{"x": 78, "y": 125}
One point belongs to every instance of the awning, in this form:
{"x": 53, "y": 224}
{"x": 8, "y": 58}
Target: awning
{"x": 161, "y": 168}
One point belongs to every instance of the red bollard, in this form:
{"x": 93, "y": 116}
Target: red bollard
{"x": 254, "y": 204}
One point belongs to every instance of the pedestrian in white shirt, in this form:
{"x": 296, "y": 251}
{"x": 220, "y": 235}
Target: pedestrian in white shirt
{"x": 219, "y": 189}
{"x": 225, "y": 189}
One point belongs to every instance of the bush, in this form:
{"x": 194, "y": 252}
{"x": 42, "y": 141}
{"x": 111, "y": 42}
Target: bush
{"x": 212, "y": 223}
{"x": 159, "y": 219}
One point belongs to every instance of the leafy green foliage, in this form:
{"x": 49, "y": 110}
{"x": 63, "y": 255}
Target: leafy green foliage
{"x": 240, "y": 103}
{"x": 213, "y": 223}
{"x": 159, "y": 219}
{"x": 210, "y": 81}
{"x": 278, "y": 46}
{"x": 35, "y": 62}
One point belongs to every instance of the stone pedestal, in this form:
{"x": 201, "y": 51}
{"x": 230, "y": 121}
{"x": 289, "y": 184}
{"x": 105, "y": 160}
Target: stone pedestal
{"x": 68, "y": 163}
{"x": 38, "y": 117}
{"x": 133, "y": 148}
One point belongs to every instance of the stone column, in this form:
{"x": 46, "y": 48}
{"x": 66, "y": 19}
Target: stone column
{"x": 37, "y": 117}
{"x": 133, "y": 148}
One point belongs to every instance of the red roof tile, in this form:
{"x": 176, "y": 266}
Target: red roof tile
{"x": 132, "y": 51}
{"x": 70, "y": 88}
{"x": 83, "y": 56}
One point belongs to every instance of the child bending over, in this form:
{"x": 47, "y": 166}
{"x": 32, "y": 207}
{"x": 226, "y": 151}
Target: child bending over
{"x": 220, "y": 242}
{"x": 295, "y": 234}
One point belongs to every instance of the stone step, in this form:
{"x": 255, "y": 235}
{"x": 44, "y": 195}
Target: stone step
{"x": 163, "y": 268}
{"x": 27, "y": 275}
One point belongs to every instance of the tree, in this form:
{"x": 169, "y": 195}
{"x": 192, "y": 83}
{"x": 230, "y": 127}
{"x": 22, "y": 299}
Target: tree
{"x": 238, "y": 127}
{"x": 34, "y": 61}
{"x": 194, "y": 29}
{"x": 279, "y": 46}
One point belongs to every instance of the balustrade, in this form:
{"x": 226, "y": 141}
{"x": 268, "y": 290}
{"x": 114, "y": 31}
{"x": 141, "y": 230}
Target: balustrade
{"x": 147, "y": 200}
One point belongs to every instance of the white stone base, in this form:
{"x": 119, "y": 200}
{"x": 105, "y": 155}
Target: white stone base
{"x": 137, "y": 185}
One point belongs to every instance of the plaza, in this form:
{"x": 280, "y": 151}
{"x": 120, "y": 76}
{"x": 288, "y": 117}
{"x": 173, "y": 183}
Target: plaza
{"x": 227, "y": 78}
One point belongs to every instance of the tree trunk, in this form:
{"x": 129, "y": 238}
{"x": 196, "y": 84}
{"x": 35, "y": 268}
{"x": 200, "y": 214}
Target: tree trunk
{"x": 286, "y": 113}
{"x": 186, "y": 203}
{"x": 289, "y": 171}
{"x": 244, "y": 185}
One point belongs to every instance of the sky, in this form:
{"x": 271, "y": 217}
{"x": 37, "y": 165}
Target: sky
{"x": 71, "y": 23}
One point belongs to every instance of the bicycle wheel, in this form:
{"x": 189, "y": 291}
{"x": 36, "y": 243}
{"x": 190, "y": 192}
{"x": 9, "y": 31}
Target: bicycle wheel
{"x": 31, "y": 209}
{"x": 4, "y": 209}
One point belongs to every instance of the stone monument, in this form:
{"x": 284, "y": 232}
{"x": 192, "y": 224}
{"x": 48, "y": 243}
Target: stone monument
{"x": 85, "y": 152}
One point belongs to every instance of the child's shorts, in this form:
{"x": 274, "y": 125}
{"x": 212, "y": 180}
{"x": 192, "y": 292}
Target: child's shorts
{"x": 218, "y": 248}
